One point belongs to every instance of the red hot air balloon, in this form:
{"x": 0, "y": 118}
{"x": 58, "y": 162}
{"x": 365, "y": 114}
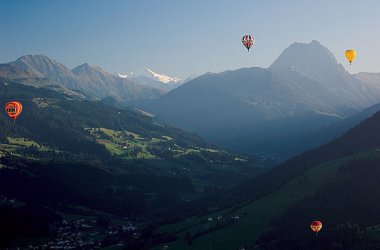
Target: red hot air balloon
{"x": 248, "y": 41}
{"x": 316, "y": 226}
{"x": 13, "y": 109}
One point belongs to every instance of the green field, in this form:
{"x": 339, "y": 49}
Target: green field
{"x": 258, "y": 213}
{"x": 26, "y": 143}
{"x": 125, "y": 143}
{"x": 131, "y": 145}
{"x": 18, "y": 143}
{"x": 163, "y": 155}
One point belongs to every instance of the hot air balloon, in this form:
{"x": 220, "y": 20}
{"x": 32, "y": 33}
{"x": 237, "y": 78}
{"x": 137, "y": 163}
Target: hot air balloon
{"x": 248, "y": 41}
{"x": 316, "y": 226}
{"x": 350, "y": 55}
{"x": 13, "y": 109}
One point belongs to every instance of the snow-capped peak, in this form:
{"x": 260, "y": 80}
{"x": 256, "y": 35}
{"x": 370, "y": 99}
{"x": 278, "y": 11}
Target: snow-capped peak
{"x": 162, "y": 77}
{"x": 122, "y": 75}
{"x": 151, "y": 75}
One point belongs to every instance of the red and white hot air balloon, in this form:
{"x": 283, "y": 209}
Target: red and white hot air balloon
{"x": 248, "y": 41}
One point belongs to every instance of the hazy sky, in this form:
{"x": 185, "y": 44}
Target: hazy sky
{"x": 183, "y": 37}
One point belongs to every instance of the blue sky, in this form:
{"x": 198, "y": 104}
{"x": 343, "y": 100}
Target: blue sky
{"x": 183, "y": 37}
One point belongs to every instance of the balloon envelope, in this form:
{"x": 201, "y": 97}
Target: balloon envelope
{"x": 13, "y": 109}
{"x": 350, "y": 55}
{"x": 248, "y": 41}
{"x": 316, "y": 226}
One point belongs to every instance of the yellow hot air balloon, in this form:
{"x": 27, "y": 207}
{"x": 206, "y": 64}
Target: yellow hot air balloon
{"x": 350, "y": 55}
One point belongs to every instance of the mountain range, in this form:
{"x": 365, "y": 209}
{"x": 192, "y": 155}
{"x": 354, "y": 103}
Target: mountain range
{"x": 92, "y": 81}
{"x": 261, "y": 110}
{"x": 253, "y": 110}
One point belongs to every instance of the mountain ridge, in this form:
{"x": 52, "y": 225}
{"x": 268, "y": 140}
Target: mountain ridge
{"x": 92, "y": 81}
{"x": 305, "y": 80}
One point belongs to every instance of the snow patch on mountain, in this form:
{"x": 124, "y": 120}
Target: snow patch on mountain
{"x": 162, "y": 77}
{"x": 151, "y": 75}
{"x": 122, "y": 75}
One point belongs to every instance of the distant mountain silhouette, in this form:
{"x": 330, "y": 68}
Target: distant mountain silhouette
{"x": 269, "y": 111}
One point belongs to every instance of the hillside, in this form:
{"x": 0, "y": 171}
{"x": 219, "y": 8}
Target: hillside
{"x": 88, "y": 158}
{"x": 259, "y": 110}
{"x": 90, "y": 127}
{"x": 334, "y": 183}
